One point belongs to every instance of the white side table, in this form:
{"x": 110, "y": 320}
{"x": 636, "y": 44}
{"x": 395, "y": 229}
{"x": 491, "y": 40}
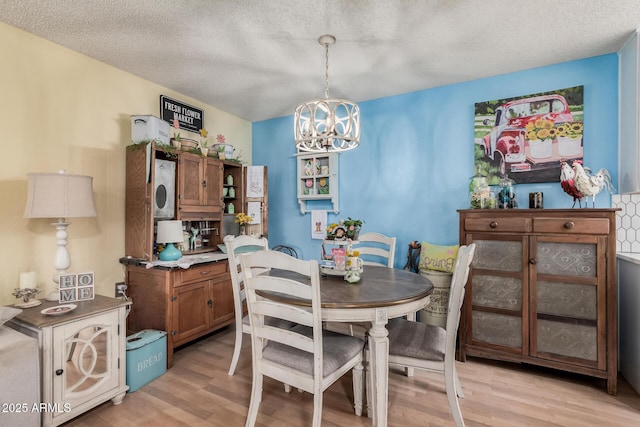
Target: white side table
{"x": 82, "y": 355}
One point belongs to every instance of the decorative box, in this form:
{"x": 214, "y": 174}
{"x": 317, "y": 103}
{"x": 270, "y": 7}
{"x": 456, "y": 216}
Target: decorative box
{"x": 149, "y": 128}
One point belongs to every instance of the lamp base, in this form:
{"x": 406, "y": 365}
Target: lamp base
{"x": 170, "y": 253}
{"x": 54, "y": 296}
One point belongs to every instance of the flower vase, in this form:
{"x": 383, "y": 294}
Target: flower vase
{"x": 175, "y": 143}
{"x": 204, "y": 151}
{"x": 243, "y": 229}
{"x": 221, "y": 155}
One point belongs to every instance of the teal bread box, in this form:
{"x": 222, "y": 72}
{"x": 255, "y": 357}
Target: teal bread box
{"x": 146, "y": 357}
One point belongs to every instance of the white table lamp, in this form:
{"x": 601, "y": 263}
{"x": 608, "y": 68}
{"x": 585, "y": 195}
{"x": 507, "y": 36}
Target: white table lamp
{"x": 59, "y": 195}
{"x": 169, "y": 232}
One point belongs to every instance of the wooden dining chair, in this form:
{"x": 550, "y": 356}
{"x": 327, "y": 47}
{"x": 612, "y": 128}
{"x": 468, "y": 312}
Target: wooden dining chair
{"x": 306, "y": 356}
{"x": 432, "y": 348}
{"x": 235, "y": 246}
{"x": 376, "y": 249}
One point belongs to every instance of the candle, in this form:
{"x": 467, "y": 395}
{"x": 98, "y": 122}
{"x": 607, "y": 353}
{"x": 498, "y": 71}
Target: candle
{"x": 28, "y": 280}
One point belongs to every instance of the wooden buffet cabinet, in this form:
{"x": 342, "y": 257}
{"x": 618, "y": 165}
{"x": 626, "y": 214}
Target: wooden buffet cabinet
{"x": 542, "y": 289}
{"x": 186, "y": 303}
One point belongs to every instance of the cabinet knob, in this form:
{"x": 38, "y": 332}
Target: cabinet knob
{"x": 204, "y": 183}
{"x": 569, "y": 225}
{"x": 533, "y": 261}
{"x": 210, "y": 302}
{"x": 59, "y": 371}
{"x": 493, "y": 224}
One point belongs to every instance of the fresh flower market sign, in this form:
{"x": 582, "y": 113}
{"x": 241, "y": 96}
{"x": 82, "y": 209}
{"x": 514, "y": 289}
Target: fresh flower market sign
{"x": 190, "y": 118}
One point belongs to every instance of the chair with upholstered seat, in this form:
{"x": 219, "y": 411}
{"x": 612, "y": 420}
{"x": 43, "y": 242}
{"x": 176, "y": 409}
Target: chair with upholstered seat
{"x": 432, "y": 348}
{"x": 235, "y": 246}
{"x": 376, "y": 249}
{"x": 306, "y": 356}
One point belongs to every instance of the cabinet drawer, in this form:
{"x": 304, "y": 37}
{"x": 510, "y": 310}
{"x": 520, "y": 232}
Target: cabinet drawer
{"x": 498, "y": 224}
{"x": 571, "y": 225}
{"x": 203, "y": 272}
{"x": 200, "y": 213}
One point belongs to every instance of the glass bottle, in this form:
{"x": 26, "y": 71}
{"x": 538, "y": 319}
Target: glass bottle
{"x": 479, "y": 195}
{"x": 507, "y": 194}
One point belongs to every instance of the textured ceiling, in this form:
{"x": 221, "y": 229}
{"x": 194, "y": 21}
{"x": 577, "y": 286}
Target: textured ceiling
{"x": 259, "y": 59}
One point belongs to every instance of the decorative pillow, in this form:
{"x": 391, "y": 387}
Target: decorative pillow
{"x": 439, "y": 258}
{"x": 8, "y": 313}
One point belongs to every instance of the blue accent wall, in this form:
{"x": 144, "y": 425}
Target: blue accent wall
{"x": 411, "y": 171}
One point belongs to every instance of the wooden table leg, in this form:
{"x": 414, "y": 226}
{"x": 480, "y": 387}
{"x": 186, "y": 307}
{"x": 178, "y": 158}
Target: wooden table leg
{"x": 379, "y": 368}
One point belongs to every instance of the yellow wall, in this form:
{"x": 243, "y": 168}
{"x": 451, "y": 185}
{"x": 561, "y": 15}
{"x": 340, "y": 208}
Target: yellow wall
{"x": 63, "y": 110}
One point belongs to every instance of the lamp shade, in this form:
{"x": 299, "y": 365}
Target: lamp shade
{"x": 59, "y": 195}
{"x": 169, "y": 232}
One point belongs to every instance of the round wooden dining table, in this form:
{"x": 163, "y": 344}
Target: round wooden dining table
{"x": 381, "y": 294}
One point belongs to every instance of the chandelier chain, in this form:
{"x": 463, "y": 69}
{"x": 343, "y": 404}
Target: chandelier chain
{"x": 326, "y": 70}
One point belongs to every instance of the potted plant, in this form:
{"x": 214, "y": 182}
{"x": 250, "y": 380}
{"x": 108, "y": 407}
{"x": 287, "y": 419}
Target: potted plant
{"x": 221, "y": 154}
{"x": 353, "y": 227}
{"x": 204, "y": 142}
{"x": 175, "y": 141}
{"x": 345, "y": 229}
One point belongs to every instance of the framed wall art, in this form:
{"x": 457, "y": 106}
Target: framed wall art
{"x": 527, "y": 137}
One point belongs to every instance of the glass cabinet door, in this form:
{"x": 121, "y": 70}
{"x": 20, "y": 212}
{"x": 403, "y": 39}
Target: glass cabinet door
{"x": 566, "y": 297}
{"x": 85, "y": 361}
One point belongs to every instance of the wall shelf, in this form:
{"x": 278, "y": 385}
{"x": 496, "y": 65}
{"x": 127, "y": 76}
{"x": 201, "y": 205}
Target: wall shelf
{"x": 317, "y": 179}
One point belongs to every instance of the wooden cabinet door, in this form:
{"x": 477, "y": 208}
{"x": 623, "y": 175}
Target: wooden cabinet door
{"x": 497, "y": 293}
{"x": 190, "y": 180}
{"x": 212, "y": 182}
{"x": 223, "y": 308}
{"x": 192, "y": 310}
{"x": 568, "y": 299}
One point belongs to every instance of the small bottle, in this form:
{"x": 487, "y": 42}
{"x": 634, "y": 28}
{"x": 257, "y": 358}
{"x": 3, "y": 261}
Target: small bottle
{"x": 230, "y": 208}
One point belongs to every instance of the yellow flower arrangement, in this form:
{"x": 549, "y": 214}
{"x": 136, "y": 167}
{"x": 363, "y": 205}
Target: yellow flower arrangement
{"x": 204, "y": 134}
{"x": 353, "y": 253}
{"x": 570, "y": 130}
{"x": 243, "y": 219}
{"x": 540, "y": 129}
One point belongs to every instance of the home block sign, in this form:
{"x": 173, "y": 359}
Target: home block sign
{"x": 77, "y": 287}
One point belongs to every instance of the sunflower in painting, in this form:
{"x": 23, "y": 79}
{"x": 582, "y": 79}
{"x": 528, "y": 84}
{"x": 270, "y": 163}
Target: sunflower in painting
{"x": 540, "y": 129}
{"x": 570, "y": 130}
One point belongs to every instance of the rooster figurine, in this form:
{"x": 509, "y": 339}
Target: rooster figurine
{"x": 591, "y": 184}
{"x": 567, "y": 181}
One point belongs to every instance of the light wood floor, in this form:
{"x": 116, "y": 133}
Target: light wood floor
{"x": 198, "y": 392}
